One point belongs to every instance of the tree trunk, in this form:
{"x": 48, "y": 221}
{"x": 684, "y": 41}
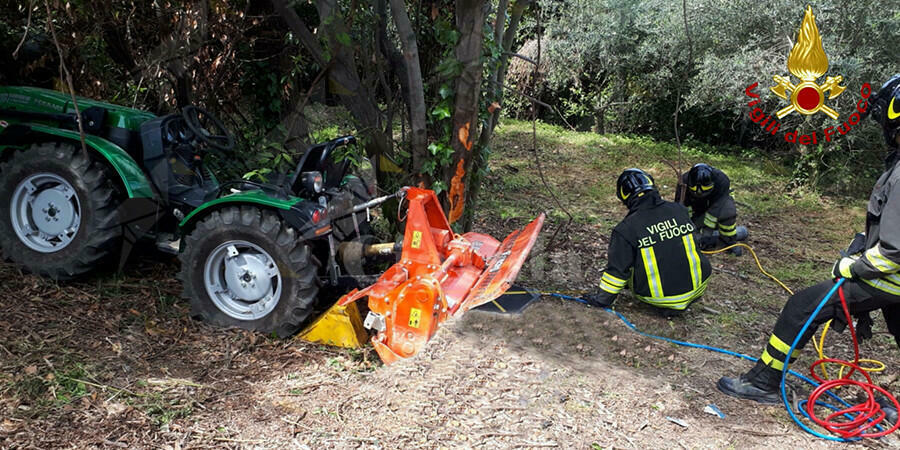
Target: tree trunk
{"x": 470, "y": 24}
{"x": 496, "y": 81}
{"x": 390, "y": 52}
{"x": 499, "y": 77}
{"x": 415, "y": 88}
{"x": 343, "y": 78}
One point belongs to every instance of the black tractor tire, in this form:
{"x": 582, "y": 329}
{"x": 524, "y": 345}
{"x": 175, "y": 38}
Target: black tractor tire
{"x": 99, "y": 233}
{"x": 296, "y": 264}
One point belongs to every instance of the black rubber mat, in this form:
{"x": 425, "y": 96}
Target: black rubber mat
{"x": 514, "y": 301}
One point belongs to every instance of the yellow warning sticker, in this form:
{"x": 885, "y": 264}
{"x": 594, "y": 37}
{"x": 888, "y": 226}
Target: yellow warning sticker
{"x": 414, "y": 315}
{"x": 417, "y": 239}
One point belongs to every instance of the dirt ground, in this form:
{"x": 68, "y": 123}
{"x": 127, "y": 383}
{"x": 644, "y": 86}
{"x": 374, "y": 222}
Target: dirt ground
{"x": 124, "y": 367}
{"x": 113, "y": 361}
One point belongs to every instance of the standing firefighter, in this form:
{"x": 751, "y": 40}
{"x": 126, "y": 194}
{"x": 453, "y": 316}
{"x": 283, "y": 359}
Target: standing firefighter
{"x": 872, "y": 271}
{"x": 653, "y": 250}
{"x": 712, "y": 207}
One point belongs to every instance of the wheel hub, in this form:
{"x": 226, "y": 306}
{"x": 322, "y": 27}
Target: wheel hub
{"x": 242, "y": 280}
{"x": 245, "y": 277}
{"x": 51, "y": 211}
{"x": 45, "y": 212}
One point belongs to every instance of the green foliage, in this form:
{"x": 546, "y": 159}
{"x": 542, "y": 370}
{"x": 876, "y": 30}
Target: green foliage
{"x": 325, "y": 134}
{"x": 622, "y": 66}
{"x": 354, "y": 154}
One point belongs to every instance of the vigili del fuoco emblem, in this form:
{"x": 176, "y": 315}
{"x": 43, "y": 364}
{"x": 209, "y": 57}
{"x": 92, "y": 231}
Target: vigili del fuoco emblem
{"x": 807, "y": 61}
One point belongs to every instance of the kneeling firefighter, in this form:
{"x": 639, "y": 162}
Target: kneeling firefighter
{"x": 708, "y": 196}
{"x": 653, "y": 250}
{"x": 871, "y": 270}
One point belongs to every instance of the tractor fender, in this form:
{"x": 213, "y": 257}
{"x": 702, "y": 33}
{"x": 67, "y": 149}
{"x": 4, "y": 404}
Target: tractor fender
{"x": 296, "y": 211}
{"x": 131, "y": 177}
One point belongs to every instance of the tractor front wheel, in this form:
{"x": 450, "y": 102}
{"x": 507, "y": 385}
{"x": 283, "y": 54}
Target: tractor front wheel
{"x": 244, "y": 267}
{"x": 58, "y": 210}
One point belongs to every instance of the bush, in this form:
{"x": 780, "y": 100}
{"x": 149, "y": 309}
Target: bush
{"x": 623, "y": 66}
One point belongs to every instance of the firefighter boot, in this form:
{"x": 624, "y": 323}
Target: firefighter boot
{"x": 890, "y": 410}
{"x": 760, "y": 384}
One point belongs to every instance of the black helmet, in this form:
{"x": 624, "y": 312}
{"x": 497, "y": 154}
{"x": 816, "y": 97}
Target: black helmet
{"x": 884, "y": 107}
{"x": 700, "y": 180}
{"x": 631, "y": 183}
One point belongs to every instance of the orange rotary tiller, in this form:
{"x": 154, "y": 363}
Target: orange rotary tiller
{"x": 440, "y": 275}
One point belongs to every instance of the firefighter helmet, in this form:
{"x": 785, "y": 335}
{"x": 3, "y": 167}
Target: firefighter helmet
{"x": 632, "y": 183}
{"x": 700, "y": 180}
{"x": 884, "y": 107}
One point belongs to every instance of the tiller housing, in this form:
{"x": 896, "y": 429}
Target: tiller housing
{"x": 440, "y": 275}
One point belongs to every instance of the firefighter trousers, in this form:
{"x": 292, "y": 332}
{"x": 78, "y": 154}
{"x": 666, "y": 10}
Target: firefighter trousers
{"x": 860, "y": 298}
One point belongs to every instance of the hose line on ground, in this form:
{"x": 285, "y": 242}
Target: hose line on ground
{"x": 850, "y": 423}
{"x": 868, "y": 365}
{"x": 755, "y": 258}
{"x": 864, "y": 410}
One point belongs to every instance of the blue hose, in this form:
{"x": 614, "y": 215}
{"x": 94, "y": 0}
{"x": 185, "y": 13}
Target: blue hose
{"x": 785, "y": 369}
{"x": 675, "y": 341}
{"x": 784, "y": 372}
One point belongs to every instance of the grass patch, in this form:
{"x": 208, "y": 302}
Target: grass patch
{"x": 582, "y": 168}
{"x": 161, "y": 409}
{"x": 796, "y": 231}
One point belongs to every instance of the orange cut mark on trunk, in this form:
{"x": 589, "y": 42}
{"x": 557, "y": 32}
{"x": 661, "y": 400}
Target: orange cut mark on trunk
{"x": 463, "y": 135}
{"x": 457, "y": 192}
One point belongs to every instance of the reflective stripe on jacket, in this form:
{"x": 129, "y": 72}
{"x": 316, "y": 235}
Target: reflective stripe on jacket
{"x": 655, "y": 248}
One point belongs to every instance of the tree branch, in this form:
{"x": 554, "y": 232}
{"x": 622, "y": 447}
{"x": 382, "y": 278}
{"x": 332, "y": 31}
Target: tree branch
{"x": 679, "y": 187}
{"x": 498, "y": 77}
{"x": 521, "y": 56}
{"x": 545, "y": 105}
{"x": 534, "y": 149}
{"x": 15, "y": 54}
{"x": 390, "y": 51}
{"x": 298, "y": 26}
{"x": 64, "y": 72}
{"x": 415, "y": 87}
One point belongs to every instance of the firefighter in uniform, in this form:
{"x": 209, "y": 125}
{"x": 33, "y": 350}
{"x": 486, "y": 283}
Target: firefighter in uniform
{"x": 712, "y": 207}
{"x": 872, "y": 272}
{"x": 653, "y": 250}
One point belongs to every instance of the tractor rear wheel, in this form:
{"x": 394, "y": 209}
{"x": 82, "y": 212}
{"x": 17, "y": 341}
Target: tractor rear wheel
{"x": 58, "y": 211}
{"x": 244, "y": 267}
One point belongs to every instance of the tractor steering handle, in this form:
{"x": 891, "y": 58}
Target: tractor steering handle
{"x": 200, "y": 120}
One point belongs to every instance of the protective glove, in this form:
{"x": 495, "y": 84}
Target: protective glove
{"x": 709, "y": 241}
{"x": 842, "y": 267}
{"x": 864, "y": 326}
{"x": 600, "y": 299}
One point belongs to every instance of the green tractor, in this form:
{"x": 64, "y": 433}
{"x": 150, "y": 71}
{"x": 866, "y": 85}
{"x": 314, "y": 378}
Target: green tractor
{"x": 252, "y": 255}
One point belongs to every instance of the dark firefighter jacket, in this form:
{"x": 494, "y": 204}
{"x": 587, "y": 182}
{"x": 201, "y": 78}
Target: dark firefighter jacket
{"x": 715, "y": 211}
{"x": 654, "y": 251}
{"x": 879, "y": 265}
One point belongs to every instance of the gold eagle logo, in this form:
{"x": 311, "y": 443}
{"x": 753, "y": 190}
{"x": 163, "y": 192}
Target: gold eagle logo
{"x": 807, "y": 61}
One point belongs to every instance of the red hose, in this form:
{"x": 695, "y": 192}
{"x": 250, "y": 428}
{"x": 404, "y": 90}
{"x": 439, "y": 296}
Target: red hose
{"x": 855, "y": 421}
